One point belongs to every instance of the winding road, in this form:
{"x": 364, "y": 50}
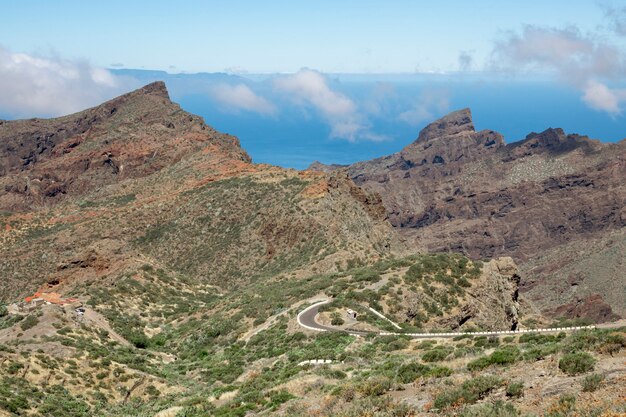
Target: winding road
{"x": 306, "y": 319}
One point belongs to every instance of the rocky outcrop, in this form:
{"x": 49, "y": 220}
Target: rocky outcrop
{"x": 492, "y": 303}
{"x": 455, "y": 189}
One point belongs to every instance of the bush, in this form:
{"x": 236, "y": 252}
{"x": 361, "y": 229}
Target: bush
{"x": 576, "y": 363}
{"x": 435, "y": 355}
{"x": 479, "y": 364}
{"x": 592, "y": 382}
{"x": 471, "y": 391}
{"x": 375, "y": 386}
{"x": 505, "y": 355}
{"x": 502, "y": 356}
{"x": 411, "y": 371}
{"x": 515, "y": 389}
{"x": 29, "y": 322}
{"x": 565, "y": 406}
{"x": 335, "y": 319}
{"x": 3, "y": 310}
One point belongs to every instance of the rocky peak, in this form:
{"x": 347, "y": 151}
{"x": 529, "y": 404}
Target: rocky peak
{"x": 551, "y": 140}
{"x": 130, "y": 136}
{"x": 451, "y": 124}
{"x": 450, "y": 139}
{"x": 157, "y": 89}
{"x": 321, "y": 167}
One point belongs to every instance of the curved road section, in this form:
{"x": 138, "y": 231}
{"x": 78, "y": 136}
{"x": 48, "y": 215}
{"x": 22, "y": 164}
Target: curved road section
{"x": 306, "y": 319}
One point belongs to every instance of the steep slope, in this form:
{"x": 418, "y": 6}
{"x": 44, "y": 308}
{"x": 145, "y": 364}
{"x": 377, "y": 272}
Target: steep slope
{"x": 134, "y": 135}
{"x": 158, "y": 186}
{"x": 455, "y": 189}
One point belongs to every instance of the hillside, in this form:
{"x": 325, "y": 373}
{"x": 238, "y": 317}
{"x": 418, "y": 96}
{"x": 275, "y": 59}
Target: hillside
{"x": 132, "y": 136}
{"x": 149, "y": 268}
{"x": 540, "y": 200}
{"x": 157, "y": 185}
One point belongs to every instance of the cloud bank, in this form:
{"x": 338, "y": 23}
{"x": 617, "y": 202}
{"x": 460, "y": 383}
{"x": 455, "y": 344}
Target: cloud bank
{"x": 241, "y": 97}
{"x": 310, "y": 88}
{"x": 586, "y": 61}
{"x": 51, "y": 86}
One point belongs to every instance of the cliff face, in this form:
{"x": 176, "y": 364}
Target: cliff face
{"x": 455, "y": 189}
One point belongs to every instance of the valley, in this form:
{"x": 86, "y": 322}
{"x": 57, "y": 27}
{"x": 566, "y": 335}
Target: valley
{"x": 170, "y": 276}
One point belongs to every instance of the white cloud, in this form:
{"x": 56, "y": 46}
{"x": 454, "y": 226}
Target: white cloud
{"x": 430, "y": 105}
{"x": 51, "y": 86}
{"x": 310, "y": 88}
{"x": 587, "y": 61}
{"x": 241, "y": 97}
{"x": 600, "y": 97}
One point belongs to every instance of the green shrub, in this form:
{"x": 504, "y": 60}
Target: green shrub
{"x": 592, "y": 382}
{"x": 565, "y": 406}
{"x": 576, "y": 363}
{"x": 410, "y": 372}
{"x": 515, "y": 389}
{"x": 479, "y": 364}
{"x": 29, "y": 322}
{"x": 439, "y": 372}
{"x": 502, "y": 356}
{"x": 435, "y": 355}
{"x": 505, "y": 355}
{"x": 3, "y": 310}
{"x": 366, "y": 274}
{"x": 335, "y": 319}
{"x": 13, "y": 367}
{"x": 468, "y": 393}
{"x": 375, "y": 386}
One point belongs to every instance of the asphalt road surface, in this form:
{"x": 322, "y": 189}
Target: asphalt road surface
{"x": 306, "y": 319}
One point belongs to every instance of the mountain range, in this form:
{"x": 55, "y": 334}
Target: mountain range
{"x": 150, "y": 268}
{"x": 555, "y": 202}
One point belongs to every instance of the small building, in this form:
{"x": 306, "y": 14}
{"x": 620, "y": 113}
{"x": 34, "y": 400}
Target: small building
{"x": 37, "y": 302}
{"x": 351, "y": 314}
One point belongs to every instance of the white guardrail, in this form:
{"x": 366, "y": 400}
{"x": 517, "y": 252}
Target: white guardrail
{"x": 491, "y": 333}
{"x": 439, "y": 335}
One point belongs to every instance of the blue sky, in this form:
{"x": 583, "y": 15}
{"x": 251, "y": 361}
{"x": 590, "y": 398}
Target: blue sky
{"x": 281, "y": 36}
{"x": 338, "y": 80}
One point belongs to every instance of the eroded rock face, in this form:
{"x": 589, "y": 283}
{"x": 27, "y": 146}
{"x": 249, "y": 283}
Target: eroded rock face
{"x": 455, "y": 189}
{"x": 491, "y": 302}
{"x": 494, "y": 302}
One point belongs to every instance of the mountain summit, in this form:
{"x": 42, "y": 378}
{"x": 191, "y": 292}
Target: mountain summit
{"x": 451, "y": 124}
{"x": 44, "y": 160}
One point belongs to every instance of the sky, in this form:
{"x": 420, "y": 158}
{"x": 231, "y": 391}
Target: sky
{"x": 332, "y": 80}
{"x": 361, "y": 36}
